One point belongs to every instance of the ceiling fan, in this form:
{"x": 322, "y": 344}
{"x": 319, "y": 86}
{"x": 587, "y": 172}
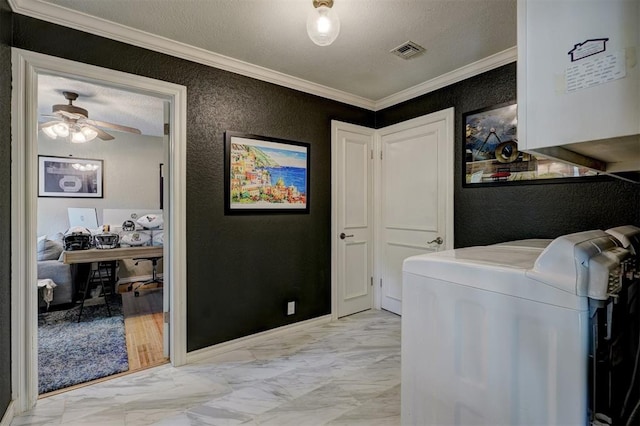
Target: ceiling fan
{"x": 71, "y": 120}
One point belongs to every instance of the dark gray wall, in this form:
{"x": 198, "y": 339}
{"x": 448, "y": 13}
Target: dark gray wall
{"x": 241, "y": 269}
{"x": 5, "y": 206}
{"x": 494, "y": 214}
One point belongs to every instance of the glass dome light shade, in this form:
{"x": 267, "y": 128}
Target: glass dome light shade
{"x": 85, "y": 134}
{"x": 58, "y": 130}
{"x": 323, "y": 25}
{"x": 61, "y": 129}
{"x": 49, "y": 132}
{"x": 78, "y": 137}
{"x": 89, "y": 133}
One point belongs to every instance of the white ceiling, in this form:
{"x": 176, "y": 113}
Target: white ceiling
{"x": 267, "y": 38}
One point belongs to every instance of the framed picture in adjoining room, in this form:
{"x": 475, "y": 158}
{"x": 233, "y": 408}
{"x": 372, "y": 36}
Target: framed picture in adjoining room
{"x": 70, "y": 177}
{"x": 491, "y": 156}
{"x": 265, "y": 175}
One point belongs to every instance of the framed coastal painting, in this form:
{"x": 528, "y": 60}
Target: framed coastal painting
{"x": 491, "y": 156}
{"x": 69, "y": 177}
{"x": 265, "y": 175}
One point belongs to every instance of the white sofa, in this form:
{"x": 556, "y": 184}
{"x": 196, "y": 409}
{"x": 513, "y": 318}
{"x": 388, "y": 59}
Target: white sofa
{"x": 50, "y": 266}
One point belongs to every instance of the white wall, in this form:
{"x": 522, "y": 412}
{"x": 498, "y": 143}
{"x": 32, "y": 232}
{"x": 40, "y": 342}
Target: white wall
{"x": 131, "y": 176}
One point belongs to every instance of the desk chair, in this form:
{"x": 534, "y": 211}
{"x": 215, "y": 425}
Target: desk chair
{"x": 154, "y": 277}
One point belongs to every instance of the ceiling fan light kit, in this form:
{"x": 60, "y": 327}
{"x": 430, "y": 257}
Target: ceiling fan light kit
{"x": 323, "y": 24}
{"x": 73, "y": 122}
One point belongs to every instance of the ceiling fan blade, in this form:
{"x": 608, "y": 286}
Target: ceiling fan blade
{"x": 113, "y": 126}
{"x": 69, "y": 115}
{"x": 102, "y": 134}
{"x": 46, "y": 124}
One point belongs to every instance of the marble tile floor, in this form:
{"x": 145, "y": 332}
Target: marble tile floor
{"x": 346, "y": 372}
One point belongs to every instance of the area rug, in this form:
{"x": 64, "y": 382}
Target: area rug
{"x": 71, "y": 352}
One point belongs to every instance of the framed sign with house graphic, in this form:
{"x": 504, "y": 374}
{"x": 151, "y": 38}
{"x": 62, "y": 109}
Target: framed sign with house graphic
{"x": 265, "y": 175}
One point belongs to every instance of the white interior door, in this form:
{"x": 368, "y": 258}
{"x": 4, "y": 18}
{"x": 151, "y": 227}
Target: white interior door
{"x": 352, "y": 165}
{"x": 416, "y": 197}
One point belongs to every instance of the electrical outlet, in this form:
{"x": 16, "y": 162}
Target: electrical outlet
{"x": 291, "y": 308}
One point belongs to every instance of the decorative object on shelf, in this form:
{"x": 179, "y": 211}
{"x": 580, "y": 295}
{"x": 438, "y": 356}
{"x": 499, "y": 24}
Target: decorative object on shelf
{"x": 70, "y": 121}
{"x": 265, "y": 175}
{"x": 150, "y": 221}
{"x": 136, "y": 238}
{"x": 128, "y": 225}
{"x": 69, "y": 177}
{"x": 491, "y": 155}
{"x": 106, "y": 240}
{"x": 323, "y": 24}
{"x": 77, "y": 238}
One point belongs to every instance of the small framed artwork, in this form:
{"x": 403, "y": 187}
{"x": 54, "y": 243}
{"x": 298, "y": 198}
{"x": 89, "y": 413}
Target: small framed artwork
{"x": 69, "y": 177}
{"x": 265, "y": 175}
{"x": 491, "y": 156}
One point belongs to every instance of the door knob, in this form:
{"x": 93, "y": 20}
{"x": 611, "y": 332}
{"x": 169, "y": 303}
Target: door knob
{"x": 438, "y": 241}
{"x": 343, "y": 236}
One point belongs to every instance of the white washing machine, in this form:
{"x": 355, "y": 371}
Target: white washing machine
{"x": 501, "y": 334}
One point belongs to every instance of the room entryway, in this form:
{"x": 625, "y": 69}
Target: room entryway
{"x": 107, "y": 198}
{"x": 101, "y": 152}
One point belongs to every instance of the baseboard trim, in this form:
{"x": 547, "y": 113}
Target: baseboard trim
{"x": 242, "y": 342}
{"x": 7, "y": 418}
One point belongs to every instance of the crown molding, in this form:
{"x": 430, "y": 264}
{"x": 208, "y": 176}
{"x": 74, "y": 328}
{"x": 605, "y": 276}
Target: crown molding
{"x": 490, "y": 62}
{"x": 101, "y": 27}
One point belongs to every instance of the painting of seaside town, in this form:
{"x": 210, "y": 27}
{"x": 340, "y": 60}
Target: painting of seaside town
{"x": 265, "y": 174}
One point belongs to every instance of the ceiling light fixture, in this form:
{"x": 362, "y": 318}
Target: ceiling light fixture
{"x": 323, "y": 25}
{"x": 77, "y": 134}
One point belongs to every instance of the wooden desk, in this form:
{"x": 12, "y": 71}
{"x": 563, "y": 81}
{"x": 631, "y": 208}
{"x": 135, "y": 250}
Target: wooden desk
{"x": 107, "y": 255}
{"x": 92, "y": 256}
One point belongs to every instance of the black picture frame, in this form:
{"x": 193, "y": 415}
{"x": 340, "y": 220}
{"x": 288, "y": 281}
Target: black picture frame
{"x": 70, "y": 177}
{"x": 265, "y": 175}
{"x": 490, "y": 154}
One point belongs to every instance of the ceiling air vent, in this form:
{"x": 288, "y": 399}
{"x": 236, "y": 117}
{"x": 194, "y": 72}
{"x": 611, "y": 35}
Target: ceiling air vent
{"x": 408, "y": 50}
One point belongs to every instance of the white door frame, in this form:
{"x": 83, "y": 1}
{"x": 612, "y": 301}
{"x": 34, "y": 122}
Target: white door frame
{"x": 335, "y": 127}
{"x": 448, "y": 116}
{"x": 26, "y": 65}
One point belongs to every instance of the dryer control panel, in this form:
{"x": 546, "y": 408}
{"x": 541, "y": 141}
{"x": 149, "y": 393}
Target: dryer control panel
{"x": 585, "y": 263}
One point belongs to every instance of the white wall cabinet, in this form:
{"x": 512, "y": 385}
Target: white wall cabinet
{"x": 579, "y": 81}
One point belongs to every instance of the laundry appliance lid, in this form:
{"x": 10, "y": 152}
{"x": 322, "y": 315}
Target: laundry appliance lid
{"x": 556, "y": 274}
{"x": 492, "y": 269}
{"x": 540, "y": 243}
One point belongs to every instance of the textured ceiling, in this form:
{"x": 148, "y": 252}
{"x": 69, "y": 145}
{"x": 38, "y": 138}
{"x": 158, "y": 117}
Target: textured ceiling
{"x": 272, "y": 34}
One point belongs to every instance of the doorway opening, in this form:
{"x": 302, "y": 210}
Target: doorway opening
{"x": 47, "y": 172}
{"x": 100, "y": 306}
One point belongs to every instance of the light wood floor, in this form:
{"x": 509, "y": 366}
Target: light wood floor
{"x": 143, "y": 328}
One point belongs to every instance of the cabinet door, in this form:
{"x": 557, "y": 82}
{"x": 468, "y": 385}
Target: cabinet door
{"x": 554, "y": 106}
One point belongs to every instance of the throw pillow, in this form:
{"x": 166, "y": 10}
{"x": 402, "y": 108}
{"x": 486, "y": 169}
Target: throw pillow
{"x": 49, "y": 249}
